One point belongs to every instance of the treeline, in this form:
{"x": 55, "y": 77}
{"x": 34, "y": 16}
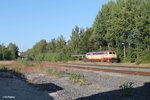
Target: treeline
{"x": 59, "y": 49}
{"x": 119, "y": 24}
{"x": 8, "y": 53}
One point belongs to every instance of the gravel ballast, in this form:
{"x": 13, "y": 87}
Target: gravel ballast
{"x": 102, "y": 86}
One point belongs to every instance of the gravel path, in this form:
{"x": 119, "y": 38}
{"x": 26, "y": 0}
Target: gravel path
{"x": 103, "y": 86}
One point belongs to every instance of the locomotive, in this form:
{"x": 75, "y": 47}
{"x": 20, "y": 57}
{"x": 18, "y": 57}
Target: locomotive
{"x": 105, "y": 56}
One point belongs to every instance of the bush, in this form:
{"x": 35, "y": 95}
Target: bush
{"x": 127, "y": 88}
{"x": 39, "y": 57}
{"x": 78, "y": 79}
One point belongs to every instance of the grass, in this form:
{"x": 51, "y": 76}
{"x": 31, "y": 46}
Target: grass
{"x": 21, "y": 66}
{"x": 78, "y": 79}
{"x": 54, "y": 72}
{"x": 26, "y": 63}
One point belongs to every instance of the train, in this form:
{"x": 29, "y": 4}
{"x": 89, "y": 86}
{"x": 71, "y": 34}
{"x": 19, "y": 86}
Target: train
{"x": 104, "y": 56}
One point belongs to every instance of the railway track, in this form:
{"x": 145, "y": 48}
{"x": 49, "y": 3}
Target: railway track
{"x": 105, "y": 68}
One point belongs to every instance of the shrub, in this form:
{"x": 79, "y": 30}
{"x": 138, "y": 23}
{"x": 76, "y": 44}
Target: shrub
{"x": 127, "y": 88}
{"x": 78, "y": 79}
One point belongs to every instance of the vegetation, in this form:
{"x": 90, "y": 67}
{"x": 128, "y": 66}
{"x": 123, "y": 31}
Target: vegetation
{"x": 119, "y": 25}
{"x": 8, "y": 53}
{"x": 18, "y": 69}
{"x": 26, "y": 63}
{"x": 78, "y": 79}
{"x": 127, "y": 88}
{"x": 54, "y": 72}
{"x": 127, "y": 22}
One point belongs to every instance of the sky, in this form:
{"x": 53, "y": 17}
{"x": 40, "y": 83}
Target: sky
{"x": 26, "y": 22}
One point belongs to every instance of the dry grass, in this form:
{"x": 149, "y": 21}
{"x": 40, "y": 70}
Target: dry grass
{"x": 23, "y": 68}
{"x": 30, "y": 67}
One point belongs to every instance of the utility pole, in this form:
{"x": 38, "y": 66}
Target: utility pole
{"x": 124, "y": 49}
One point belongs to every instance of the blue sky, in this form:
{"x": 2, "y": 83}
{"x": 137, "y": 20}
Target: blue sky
{"x": 25, "y": 22}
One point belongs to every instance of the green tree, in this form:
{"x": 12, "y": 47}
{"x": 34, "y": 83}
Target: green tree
{"x": 40, "y": 47}
{"x": 2, "y": 52}
{"x": 60, "y": 44}
{"x": 13, "y": 49}
{"x": 119, "y": 21}
{"x": 51, "y": 46}
{"x": 125, "y": 21}
{"x": 74, "y": 42}
{"x": 84, "y": 43}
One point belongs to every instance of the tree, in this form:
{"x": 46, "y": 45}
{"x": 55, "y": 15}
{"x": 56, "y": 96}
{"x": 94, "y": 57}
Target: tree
{"x": 60, "y": 44}
{"x": 51, "y": 46}
{"x": 40, "y": 47}
{"x": 13, "y": 49}
{"x": 119, "y": 21}
{"x": 2, "y": 50}
{"x": 85, "y": 43}
{"x": 125, "y": 21}
{"x": 74, "y": 42}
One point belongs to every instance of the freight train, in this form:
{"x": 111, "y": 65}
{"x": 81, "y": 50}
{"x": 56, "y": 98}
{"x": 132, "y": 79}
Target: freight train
{"x": 105, "y": 56}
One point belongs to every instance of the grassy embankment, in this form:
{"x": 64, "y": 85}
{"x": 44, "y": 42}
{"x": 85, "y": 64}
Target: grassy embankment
{"x": 19, "y": 68}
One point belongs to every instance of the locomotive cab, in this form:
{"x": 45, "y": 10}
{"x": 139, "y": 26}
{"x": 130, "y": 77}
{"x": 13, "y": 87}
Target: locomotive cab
{"x": 111, "y": 57}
